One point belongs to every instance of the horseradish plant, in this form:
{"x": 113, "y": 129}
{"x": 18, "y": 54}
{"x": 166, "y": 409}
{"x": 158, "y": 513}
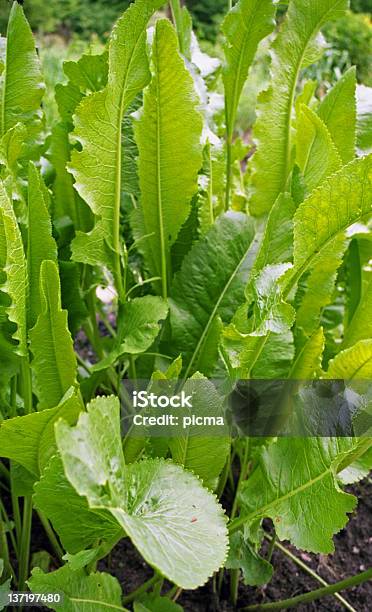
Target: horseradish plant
{"x": 218, "y": 265}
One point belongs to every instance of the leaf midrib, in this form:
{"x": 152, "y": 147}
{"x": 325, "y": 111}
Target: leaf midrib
{"x": 216, "y": 307}
{"x": 97, "y": 602}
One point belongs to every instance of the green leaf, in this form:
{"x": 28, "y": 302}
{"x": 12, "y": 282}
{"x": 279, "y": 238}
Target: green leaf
{"x": 242, "y": 555}
{"x": 21, "y": 85}
{"x": 361, "y": 324}
{"x": 89, "y": 73}
{"x": 203, "y": 454}
{"x": 64, "y": 193}
{"x": 277, "y": 243}
{"x": 272, "y": 163}
{"x": 246, "y": 24}
{"x": 175, "y": 523}
{"x": 30, "y": 439}
{"x": 300, "y": 500}
{"x": 308, "y": 360}
{"x": 211, "y": 282}
{"x": 98, "y": 592}
{"x": 40, "y": 244}
{"x": 268, "y": 312}
{"x": 352, "y": 363}
{"x": 139, "y": 325}
{"x": 77, "y": 525}
{"x": 12, "y": 147}
{"x": 338, "y": 109}
{"x": 154, "y": 603}
{"x": 316, "y": 155}
{"x": 54, "y": 361}
{"x": 170, "y": 154}
{"x": 358, "y": 470}
{"x": 97, "y": 167}
{"x": 16, "y": 272}
{"x": 343, "y": 199}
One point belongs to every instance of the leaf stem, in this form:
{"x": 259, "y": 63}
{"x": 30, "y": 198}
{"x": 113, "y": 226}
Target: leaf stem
{"x": 331, "y": 589}
{"x": 142, "y": 589}
{"x": 4, "y": 472}
{"x": 51, "y": 535}
{"x": 306, "y": 568}
{"x": 228, "y": 169}
{"x": 25, "y": 540}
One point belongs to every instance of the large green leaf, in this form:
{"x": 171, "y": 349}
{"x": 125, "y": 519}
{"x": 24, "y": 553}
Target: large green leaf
{"x": 248, "y": 22}
{"x": 97, "y": 167}
{"x": 210, "y": 284}
{"x": 338, "y": 109}
{"x": 16, "y": 272}
{"x": 170, "y": 154}
{"x": 316, "y": 155}
{"x": 352, "y": 363}
{"x": 343, "y": 200}
{"x": 174, "y": 522}
{"x": 77, "y": 525}
{"x": 40, "y": 244}
{"x": 272, "y": 133}
{"x": 193, "y": 448}
{"x": 54, "y": 361}
{"x": 98, "y": 592}
{"x": 30, "y": 439}
{"x": 21, "y": 87}
{"x": 305, "y": 503}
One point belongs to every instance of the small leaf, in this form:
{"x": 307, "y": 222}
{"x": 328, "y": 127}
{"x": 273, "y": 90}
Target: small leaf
{"x": 139, "y": 325}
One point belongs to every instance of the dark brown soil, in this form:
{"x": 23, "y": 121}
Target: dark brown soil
{"x": 352, "y": 555}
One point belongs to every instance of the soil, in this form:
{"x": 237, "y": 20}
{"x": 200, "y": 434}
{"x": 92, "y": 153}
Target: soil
{"x": 353, "y": 547}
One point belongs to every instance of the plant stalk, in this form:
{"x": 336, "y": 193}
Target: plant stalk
{"x": 307, "y": 569}
{"x": 51, "y": 535}
{"x": 331, "y": 589}
{"x": 25, "y": 540}
{"x": 141, "y": 589}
